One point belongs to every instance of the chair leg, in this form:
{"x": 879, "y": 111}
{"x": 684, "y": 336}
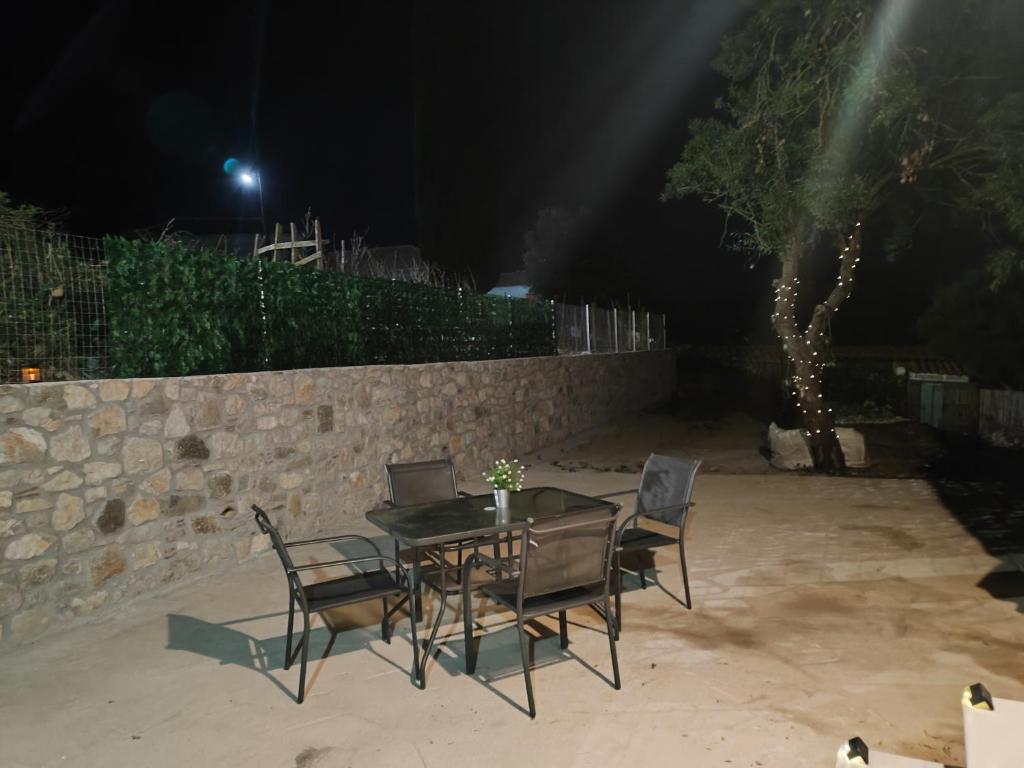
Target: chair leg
{"x": 611, "y": 644}
{"x": 524, "y": 647}
{"x": 385, "y": 623}
{"x": 686, "y": 578}
{"x": 305, "y": 653}
{"x": 643, "y": 579}
{"x": 467, "y": 628}
{"x": 563, "y": 629}
{"x": 618, "y": 596}
{"x": 291, "y": 623}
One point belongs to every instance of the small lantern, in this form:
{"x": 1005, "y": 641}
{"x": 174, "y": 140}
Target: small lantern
{"x": 28, "y": 375}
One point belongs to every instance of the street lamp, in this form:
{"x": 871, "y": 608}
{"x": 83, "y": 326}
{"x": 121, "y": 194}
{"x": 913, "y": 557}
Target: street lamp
{"x": 251, "y": 179}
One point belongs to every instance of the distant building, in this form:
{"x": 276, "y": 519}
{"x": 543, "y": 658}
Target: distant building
{"x": 512, "y": 284}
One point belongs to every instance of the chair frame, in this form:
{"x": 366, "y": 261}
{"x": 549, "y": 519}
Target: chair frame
{"x": 435, "y": 554}
{"x": 523, "y": 614}
{"x": 633, "y": 520}
{"x": 297, "y": 595}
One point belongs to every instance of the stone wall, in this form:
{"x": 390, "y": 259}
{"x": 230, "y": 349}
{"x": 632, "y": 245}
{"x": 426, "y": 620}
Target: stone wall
{"x": 112, "y": 489}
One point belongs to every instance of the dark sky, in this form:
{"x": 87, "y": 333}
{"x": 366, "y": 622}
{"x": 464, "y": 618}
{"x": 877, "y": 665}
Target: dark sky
{"x": 444, "y": 124}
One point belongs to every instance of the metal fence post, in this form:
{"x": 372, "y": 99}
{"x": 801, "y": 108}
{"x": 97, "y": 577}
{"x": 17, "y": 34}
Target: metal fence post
{"x": 647, "y": 320}
{"x": 632, "y": 330}
{"x": 615, "y": 327}
{"x": 586, "y": 316}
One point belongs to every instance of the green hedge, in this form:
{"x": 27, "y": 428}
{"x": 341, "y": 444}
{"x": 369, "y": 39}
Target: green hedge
{"x": 177, "y": 310}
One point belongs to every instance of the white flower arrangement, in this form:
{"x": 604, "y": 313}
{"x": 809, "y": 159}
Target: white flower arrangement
{"x": 506, "y": 475}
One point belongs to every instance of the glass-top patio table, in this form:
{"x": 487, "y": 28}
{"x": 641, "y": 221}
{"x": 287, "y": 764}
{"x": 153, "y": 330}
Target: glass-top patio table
{"x": 449, "y": 524}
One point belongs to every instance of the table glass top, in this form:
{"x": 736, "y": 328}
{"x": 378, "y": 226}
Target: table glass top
{"x": 471, "y": 516}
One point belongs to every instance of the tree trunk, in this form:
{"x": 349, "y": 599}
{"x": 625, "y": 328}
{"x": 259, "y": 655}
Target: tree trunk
{"x": 818, "y": 422}
{"x": 807, "y": 350}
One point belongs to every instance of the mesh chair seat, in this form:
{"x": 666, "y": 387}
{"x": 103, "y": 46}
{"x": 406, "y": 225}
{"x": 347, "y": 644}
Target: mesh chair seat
{"x": 350, "y": 589}
{"x": 644, "y": 538}
{"x": 504, "y": 592}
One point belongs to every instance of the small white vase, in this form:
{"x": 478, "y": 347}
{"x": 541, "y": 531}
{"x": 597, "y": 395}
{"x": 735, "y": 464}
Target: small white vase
{"x": 501, "y": 498}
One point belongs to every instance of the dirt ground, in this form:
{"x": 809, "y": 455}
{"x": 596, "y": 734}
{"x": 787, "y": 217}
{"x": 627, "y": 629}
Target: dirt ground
{"x": 824, "y": 607}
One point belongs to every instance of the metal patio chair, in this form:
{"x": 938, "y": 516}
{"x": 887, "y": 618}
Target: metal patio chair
{"x": 323, "y": 595}
{"x": 664, "y": 496}
{"x": 564, "y": 562}
{"x": 421, "y": 482}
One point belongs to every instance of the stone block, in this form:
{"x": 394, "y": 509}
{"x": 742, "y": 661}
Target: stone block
{"x": 95, "y": 494}
{"x": 20, "y": 445}
{"x": 234, "y": 406}
{"x": 189, "y": 479}
{"x": 141, "y": 455}
{"x": 145, "y": 555}
{"x": 10, "y": 404}
{"x": 209, "y": 413}
{"x": 144, "y": 509}
{"x": 106, "y": 566}
{"x": 77, "y": 397}
{"x": 108, "y": 446}
{"x": 37, "y": 573}
{"x": 177, "y": 423}
{"x": 158, "y": 483}
{"x": 78, "y": 540}
{"x": 184, "y": 505}
{"x": 70, "y": 445}
{"x": 205, "y": 524}
{"x": 97, "y": 472}
{"x": 111, "y": 519}
{"x": 28, "y": 546}
{"x": 83, "y": 606}
{"x": 62, "y": 481}
{"x": 219, "y": 485}
{"x": 70, "y": 511}
{"x": 34, "y": 504}
{"x": 114, "y": 390}
{"x": 108, "y": 421}
{"x": 41, "y": 416}
{"x": 192, "y": 447}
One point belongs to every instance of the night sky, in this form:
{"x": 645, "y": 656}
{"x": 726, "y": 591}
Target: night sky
{"x": 444, "y": 124}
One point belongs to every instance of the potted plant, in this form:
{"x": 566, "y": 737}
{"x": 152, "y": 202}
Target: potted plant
{"x": 505, "y": 476}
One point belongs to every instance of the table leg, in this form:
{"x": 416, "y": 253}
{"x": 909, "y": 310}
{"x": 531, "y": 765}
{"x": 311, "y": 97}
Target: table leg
{"x": 437, "y": 619}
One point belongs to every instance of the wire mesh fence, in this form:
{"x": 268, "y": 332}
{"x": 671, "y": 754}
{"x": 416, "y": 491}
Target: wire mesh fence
{"x": 589, "y": 328}
{"x": 53, "y": 318}
{"x": 77, "y": 308}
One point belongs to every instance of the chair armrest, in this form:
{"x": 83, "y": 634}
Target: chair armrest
{"x": 615, "y": 493}
{"x": 479, "y": 559}
{"x": 350, "y": 561}
{"x": 329, "y": 539}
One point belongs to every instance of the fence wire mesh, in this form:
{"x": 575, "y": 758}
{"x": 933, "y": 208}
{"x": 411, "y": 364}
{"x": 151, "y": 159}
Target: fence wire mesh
{"x": 57, "y": 311}
{"x": 53, "y": 319}
{"x": 590, "y": 328}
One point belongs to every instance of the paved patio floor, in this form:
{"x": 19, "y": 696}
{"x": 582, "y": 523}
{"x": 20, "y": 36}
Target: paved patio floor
{"x": 824, "y": 608}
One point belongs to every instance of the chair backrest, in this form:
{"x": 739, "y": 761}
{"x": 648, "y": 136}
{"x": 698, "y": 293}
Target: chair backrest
{"x": 420, "y": 482}
{"x": 666, "y": 487}
{"x": 573, "y": 550}
{"x": 275, "y": 538}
